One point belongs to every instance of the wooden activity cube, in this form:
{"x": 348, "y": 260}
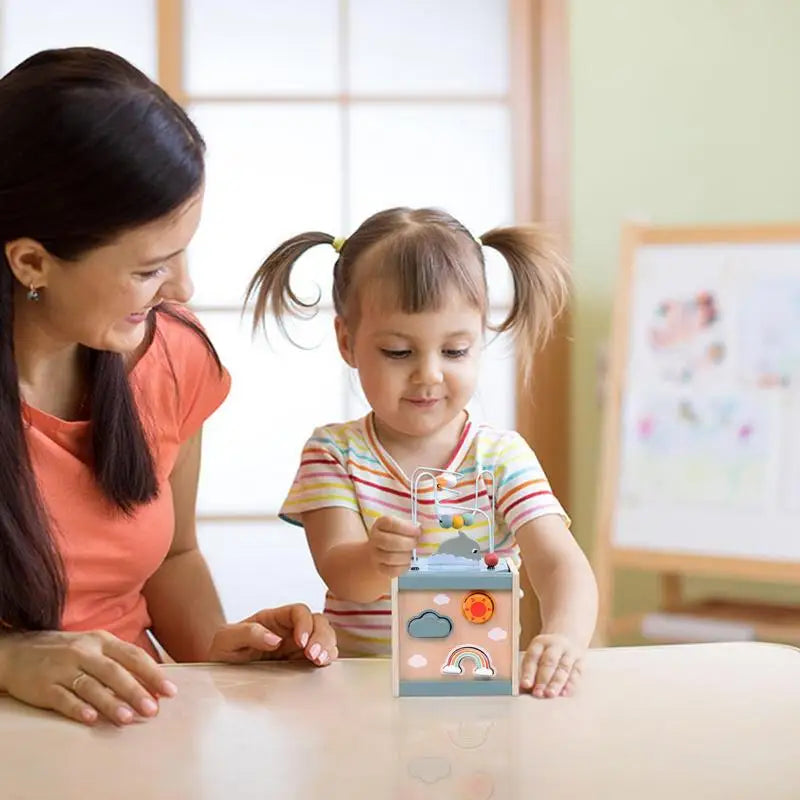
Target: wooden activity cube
{"x": 455, "y": 630}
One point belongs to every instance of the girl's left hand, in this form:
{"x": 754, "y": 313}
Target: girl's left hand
{"x": 288, "y": 632}
{"x": 551, "y": 666}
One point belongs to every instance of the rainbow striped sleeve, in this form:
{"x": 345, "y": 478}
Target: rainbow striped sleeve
{"x": 523, "y": 492}
{"x": 321, "y": 480}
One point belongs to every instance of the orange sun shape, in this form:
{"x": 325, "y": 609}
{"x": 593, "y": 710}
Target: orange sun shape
{"x": 478, "y": 607}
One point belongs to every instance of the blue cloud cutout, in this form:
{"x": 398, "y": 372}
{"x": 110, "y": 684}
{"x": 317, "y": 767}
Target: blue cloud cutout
{"x": 429, "y": 625}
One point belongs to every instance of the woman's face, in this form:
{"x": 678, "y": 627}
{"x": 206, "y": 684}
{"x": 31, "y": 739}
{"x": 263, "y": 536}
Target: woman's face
{"x": 102, "y": 299}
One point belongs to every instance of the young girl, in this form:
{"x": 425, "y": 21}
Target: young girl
{"x": 411, "y": 302}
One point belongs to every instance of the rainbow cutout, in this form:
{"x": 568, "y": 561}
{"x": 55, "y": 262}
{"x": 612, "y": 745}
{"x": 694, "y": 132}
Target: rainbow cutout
{"x": 482, "y": 664}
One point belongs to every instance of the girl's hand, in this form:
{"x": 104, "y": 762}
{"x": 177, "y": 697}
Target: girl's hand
{"x": 288, "y": 632}
{"x": 391, "y": 541}
{"x": 82, "y": 675}
{"x": 552, "y": 666}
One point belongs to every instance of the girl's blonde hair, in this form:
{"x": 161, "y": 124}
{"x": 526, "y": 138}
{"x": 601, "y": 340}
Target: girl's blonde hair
{"x": 422, "y": 255}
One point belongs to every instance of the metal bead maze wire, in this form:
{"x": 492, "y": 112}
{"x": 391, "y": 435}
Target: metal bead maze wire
{"x": 445, "y": 480}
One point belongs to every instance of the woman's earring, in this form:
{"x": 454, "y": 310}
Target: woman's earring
{"x": 33, "y": 294}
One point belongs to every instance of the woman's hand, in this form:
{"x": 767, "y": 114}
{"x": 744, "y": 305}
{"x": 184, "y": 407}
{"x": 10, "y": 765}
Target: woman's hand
{"x": 82, "y": 675}
{"x": 288, "y": 632}
{"x": 551, "y": 666}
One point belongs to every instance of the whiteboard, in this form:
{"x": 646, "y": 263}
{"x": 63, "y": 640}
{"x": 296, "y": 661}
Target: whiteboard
{"x": 707, "y": 457}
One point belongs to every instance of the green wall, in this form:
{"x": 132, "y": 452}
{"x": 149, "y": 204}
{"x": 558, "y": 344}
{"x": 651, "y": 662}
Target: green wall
{"x": 684, "y": 111}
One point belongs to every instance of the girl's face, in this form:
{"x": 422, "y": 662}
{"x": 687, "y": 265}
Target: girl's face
{"x": 102, "y": 299}
{"x": 418, "y": 371}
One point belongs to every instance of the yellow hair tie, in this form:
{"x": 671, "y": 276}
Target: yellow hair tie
{"x": 338, "y": 243}
{"x": 478, "y": 240}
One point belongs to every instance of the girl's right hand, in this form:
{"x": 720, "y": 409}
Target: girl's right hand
{"x": 82, "y": 675}
{"x": 391, "y": 541}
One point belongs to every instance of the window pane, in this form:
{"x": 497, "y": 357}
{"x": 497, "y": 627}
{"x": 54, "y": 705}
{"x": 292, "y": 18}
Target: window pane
{"x": 355, "y": 403}
{"x": 280, "y": 393}
{"x": 454, "y": 156}
{"x": 128, "y": 29}
{"x": 498, "y": 277}
{"x": 494, "y": 401}
{"x": 423, "y": 47}
{"x": 259, "y": 565}
{"x": 273, "y": 171}
{"x": 261, "y": 47}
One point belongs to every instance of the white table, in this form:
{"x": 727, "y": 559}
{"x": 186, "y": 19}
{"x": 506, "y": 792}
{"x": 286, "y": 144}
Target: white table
{"x": 693, "y": 721}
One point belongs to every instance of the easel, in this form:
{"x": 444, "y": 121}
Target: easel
{"x": 711, "y": 618}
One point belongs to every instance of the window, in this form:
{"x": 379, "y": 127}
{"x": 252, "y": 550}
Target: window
{"x": 316, "y": 113}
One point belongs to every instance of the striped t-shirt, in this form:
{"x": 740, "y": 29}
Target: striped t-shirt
{"x": 346, "y": 466}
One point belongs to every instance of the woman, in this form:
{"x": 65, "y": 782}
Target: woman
{"x": 104, "y": 386}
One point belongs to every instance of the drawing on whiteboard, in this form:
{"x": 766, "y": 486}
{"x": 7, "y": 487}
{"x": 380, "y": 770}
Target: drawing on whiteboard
{"x": 769, "y": 333}
{"x": 790, "y": 445}
{"x": 685, "y": 336}
{"x": 698, "y": 448}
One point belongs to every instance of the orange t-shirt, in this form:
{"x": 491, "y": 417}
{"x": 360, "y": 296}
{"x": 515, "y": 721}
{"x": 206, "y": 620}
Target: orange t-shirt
{"x": 107, "y": 555}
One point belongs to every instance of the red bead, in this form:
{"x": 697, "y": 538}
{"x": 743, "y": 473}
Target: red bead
{"x": 491, "y": 559}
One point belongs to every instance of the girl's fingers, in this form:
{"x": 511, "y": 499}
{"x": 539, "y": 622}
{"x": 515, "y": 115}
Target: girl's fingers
{"x": 530, "y": 662}
{"x": 548, "y": 664}
{"x": 574, "y": 678}
{"x": 393, "y": 560}
{"x": 560, "y": 676}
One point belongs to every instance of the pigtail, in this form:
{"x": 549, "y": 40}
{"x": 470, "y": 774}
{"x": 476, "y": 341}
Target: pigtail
{"x": 271, "y": 284}
{"x": 541, "y": 287}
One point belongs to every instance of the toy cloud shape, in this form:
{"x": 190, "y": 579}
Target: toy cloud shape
{"x": 430, "y": 625}
{"x": 497, "y": 634}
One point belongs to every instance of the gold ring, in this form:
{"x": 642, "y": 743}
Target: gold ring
{"x": 76, "y": 680}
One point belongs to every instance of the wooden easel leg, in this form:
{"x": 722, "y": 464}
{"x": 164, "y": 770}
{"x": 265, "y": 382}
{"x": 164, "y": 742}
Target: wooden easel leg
{"x": 604, "y": 574}
{"x": 671, "y": 591}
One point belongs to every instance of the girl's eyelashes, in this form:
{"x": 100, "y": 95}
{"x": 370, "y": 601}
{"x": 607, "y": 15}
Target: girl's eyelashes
{"x": 460, "y": 353}
{"x": 395, "y": 353}
{"x": 452, "y": 353}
